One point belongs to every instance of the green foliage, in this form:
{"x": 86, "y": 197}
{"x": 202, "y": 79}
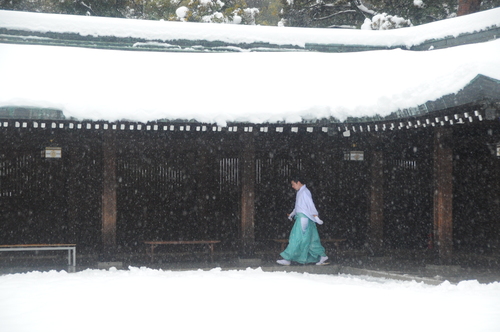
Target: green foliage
{"x": 150, "y": 9}
{"x": 488, "y": 4}
{"x": 269, "y": 12}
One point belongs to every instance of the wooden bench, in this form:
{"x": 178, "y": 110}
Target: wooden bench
{"x": 209, "y": 243}
{"x": 71, "y": 248}
{"x": 336, "y": 242}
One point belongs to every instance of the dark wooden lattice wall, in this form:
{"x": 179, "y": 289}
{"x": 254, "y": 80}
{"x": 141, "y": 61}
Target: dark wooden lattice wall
{"x": 187, "y": 185}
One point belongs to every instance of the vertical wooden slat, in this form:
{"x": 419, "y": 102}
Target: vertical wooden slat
{"x": 248, "y": 197}
{"x": 376, "y": 223}
{"x": 109, "y": 206}
{"x": 443, "y": 193}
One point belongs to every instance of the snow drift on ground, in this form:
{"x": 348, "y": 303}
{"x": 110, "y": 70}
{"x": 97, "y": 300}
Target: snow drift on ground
{"x": 142, "y": 299}
{"x": 224, "y": 87}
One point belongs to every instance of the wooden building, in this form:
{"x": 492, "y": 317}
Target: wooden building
{"x": 392, "y": 184}
{"x": 423, "y": 179}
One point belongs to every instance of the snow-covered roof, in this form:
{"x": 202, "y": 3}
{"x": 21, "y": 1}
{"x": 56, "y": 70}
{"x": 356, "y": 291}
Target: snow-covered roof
{"x": 245, "y": 34}
{"x": 252, "y": 87}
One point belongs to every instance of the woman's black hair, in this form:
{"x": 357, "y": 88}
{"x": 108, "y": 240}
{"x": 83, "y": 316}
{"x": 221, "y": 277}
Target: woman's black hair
{"x": 297, "y": 178}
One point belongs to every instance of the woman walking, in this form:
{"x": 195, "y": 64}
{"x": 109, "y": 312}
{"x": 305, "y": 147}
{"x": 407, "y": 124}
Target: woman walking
{"x": 304, "y": 245}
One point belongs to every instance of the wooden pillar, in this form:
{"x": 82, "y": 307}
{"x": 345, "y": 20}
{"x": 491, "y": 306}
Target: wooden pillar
{"x": 443, "y": 194}
{"x": 247, "y": 248}
{"x": 376, "y": 222}
{"x": 495, "y": 202}
{"x": 74, "y": 194}
{"x": 109, "y": 195}
{"x": 204, "y": 169}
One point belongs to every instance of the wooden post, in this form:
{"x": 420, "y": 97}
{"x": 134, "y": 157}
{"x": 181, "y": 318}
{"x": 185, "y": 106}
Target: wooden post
{"x": 495, "y": 201}
{"x": 109, "y": 195}
{"x": 74, "y": 195}
{"x": 443, "y": 194}
{"x": 376, "y": 223}
{"x": 248, "y": 197}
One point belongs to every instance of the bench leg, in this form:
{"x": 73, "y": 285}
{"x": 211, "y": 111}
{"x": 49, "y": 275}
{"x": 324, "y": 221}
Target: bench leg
{"x": 211, "y": 246}
{"x": 72, "y": 256}
{"x": 337, "y": 246}
{"x": 152, "y": 252}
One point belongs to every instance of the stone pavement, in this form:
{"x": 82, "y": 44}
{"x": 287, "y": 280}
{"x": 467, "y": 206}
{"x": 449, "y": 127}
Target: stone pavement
{"x": 382, "y": 267}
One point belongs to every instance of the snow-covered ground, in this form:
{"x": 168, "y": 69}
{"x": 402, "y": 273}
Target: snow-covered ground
{"x": 242, "y": 87}
{"x": 142, "y": 299}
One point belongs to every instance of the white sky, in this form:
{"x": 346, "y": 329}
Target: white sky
{"x": 246, "y": 86}
{"x": 141, "y": 299}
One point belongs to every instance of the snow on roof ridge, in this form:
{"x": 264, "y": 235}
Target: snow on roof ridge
{"x": 236, "y": 34}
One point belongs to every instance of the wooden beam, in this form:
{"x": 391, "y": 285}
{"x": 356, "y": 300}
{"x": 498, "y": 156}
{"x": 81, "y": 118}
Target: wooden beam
{"x": 443, "y": 193}
{"x": 376, "y": 222}
{"x": 109, "y": 205}
{"x": 248, "y": 197}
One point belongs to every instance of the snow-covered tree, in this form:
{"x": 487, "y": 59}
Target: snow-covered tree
{"x": 217, "y": 11}
{"x": 385, "y": 22}
{"x": 303, "y": 13}
{"x": 381, "y": 14}
{"x": 324, "y": 13}
{"x": 109, "y": 8}
{"x": 204, "y": 11}
{"x": 269, "y": 11}
{"x": 248, "y": 15}
{"x": 417, "y": 11}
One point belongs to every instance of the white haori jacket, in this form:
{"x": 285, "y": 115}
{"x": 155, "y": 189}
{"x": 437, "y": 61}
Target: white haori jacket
{"x": 304, "y": 204}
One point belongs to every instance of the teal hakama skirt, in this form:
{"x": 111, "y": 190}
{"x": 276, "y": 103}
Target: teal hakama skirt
{"x": 303, "y": 247}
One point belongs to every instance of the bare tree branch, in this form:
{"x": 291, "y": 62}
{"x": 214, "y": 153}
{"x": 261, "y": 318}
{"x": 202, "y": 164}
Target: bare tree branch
{"x": 89, "y": 7}
{"x": 335, "y": 14}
